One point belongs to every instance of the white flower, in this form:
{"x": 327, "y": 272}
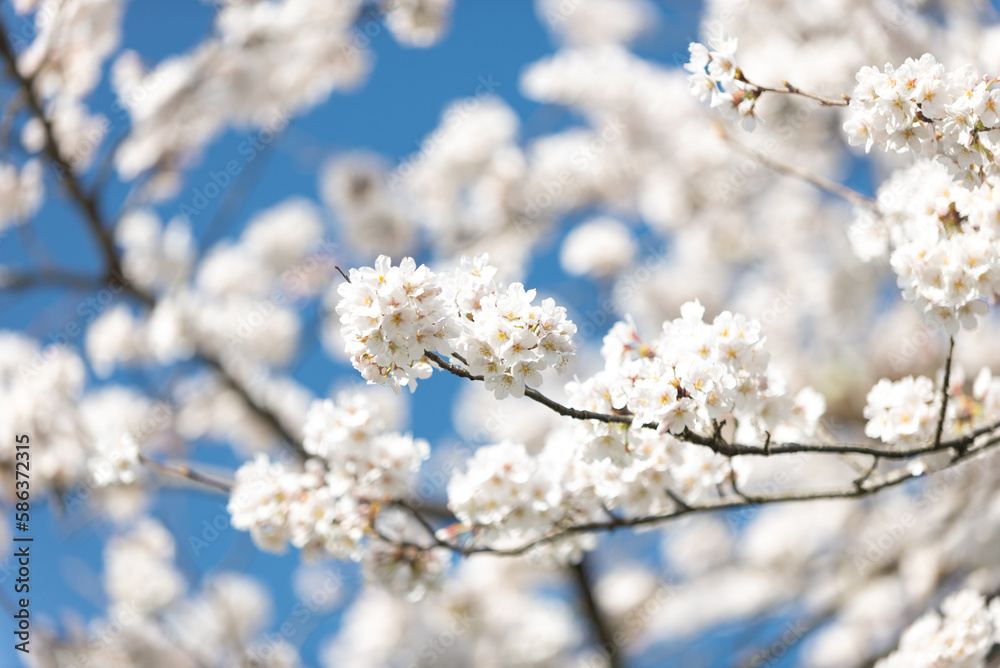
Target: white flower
{"x": 138, "y": 568}
{"x": 389, "y": 316}
{"x": 20, "y": 192}
{"x": 944, "y": 242}
{"x": 372, "y": 218}
{"x": 693, "y": 373}
{"x": 902, "y": 412}
{"x": 418, "y": 22}
{"x": 597, "y": 22}
{"x": 154, "y": 255}
{"x": 503, "y": 487}
{"x": 960, "y": 637}
{"x": 114, "y": 337}
{"x": 919, "y": 107}
{"x": 280, "y": 237}
{"x": 115, "y": 462}
{"x": 601, "y": 247}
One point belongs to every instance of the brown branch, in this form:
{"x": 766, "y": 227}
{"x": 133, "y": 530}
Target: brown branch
{"x": 187, "y": 473}
{"x": 88, "y": 204}
{"x": 532, "y": 394}
{"x": 261, "y": 411}
{"x": 888, "y": 480}
{"x": 826, "y": 185}
{"x": 860, "y": 481}
{"x": 789, "y": 89}
{"x": 581, "y": 577}
{"x": 727, "y": 449}
{"x": 12, "y": 280}
{"x": 87, "y": 201}
{"x": 944, "y": 392}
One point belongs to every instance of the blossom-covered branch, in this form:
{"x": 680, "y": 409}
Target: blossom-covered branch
{"x": 733, "y": 449}
{"x": 716, "y": 76}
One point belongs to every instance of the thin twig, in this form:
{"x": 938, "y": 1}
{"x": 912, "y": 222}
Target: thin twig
{"x": 944, "y": 392}
{"x": 187, "y": 473}
{"x": 860, "y": 481}
{"x": 826, "y": 185}
{"x": 261, "y": 411}
{"x": 532, "y": 394}
{"x": 11, "y": 280}
{"x": 789, "y": 89}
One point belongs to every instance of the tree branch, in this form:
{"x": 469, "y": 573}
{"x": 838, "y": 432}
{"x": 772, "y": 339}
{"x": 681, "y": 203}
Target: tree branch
{"x": 580, "y": 574}
{"x": 722, "y": 447}
{"x": 944, "y": 392}
{"x": 12, "y": 280}
{"x": 890, "y": 479}
{"x": 532, "y": 394}
{"x": 789, "y": 89}
{"x": 187, "y": 473}
{"x": 87, "y": 202}
{"x": 826, "y": 185}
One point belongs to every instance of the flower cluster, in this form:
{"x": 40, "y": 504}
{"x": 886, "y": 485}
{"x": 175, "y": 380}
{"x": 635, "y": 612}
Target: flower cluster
{"x": 237, "y": 303}
{"x": 362, "y": 458}
{"x": 371, "y": 217}
{"x": 84, "y": 438}
{"x": 394, "y": 560}
{"x": 67, "y": 54}
{"x": 906, "y": 411}
{"x": 64, "y": 62}
{"x": 960, "y": 637}
{"x": 902, "y": 412}
{"x": 507, "y": 497}
{"x": 491, "y": 608}
{"x": 921, "y": 108}
{"x": 597, "y": 22}
{"x": 332, "y": 504}
{"x": 716, "y": 76}
{"x": 503, "y": 487}
{"x": 418, "y": 23}
{"x": 694, "y": 373}
{"x": 391, "y": 315}
{"x": 139, "y": 568}
{"x": 280, "y": 505}
{"x": 505, "y": 337}
{"x": 116, "y": 461}
{"x": 601, "y": 248}
{"x": 691, "y": 378}
{"x": 222, "y": 622}
{"x": 944, "y": 239}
